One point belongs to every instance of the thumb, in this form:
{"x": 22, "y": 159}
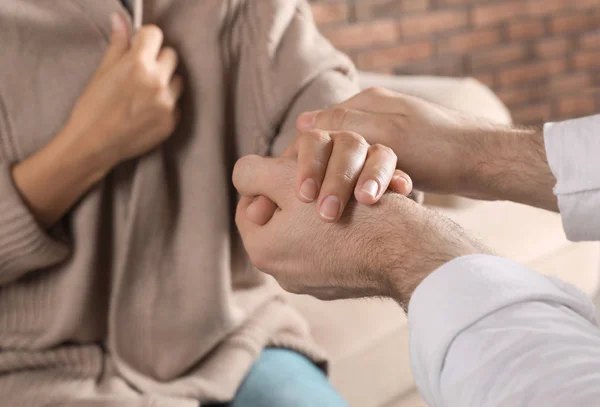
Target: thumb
{"x": 119, "y": 41}
{"x": 274, "y": 178}
{"x": 261, "y": 210}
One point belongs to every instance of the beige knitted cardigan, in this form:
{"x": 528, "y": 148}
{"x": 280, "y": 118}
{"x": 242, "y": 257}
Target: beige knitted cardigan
{"x": 142, "y": 295}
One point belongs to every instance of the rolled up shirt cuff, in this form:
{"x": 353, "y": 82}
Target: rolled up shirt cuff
{"x": 464, "y": 291}
{"x": 572, "y": 150}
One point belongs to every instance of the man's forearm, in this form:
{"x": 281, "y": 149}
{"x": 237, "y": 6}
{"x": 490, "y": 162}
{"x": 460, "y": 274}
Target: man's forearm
{"x": 444, "y": 150}
{"x": 437, "y": 239}
{"x": 511, "y": 164}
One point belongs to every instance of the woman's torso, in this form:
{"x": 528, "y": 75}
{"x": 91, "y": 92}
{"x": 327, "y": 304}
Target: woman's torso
{"x": 152, "y": 247}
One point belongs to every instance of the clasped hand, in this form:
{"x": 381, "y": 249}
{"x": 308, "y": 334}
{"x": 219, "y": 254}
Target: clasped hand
{"x": 334, "y": 166}
{"x": 377, "y": 245}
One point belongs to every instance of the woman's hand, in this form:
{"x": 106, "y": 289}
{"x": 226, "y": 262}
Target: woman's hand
{"x": 333, "y": 167}
{"x": 130, "y": 105}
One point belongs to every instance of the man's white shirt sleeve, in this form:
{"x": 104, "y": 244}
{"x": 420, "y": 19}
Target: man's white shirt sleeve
{"x": 573, "y": 151}
{"x": 486, "y": 331}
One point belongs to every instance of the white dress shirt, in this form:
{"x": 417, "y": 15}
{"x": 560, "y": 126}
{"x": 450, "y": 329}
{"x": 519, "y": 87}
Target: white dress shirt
{"x": 486, "y": 331}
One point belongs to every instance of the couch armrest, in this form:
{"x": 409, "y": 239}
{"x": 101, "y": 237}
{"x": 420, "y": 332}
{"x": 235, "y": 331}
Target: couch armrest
{"x": 464, "y": 94}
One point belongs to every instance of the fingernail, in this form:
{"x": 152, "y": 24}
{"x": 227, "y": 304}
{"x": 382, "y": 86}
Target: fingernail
{"x": 408, "y": 181}
{"x": 117, "y": 23}
{"x": 330, "y": 207}
{"x": 370, "y": 187}
{"x": 306, "y": 121}
{"x": 405, "y": 180}
{"x": 308, "y": 189}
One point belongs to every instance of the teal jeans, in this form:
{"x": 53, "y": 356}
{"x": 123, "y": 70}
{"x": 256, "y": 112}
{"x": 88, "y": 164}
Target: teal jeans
{"x": 282, "y": 378}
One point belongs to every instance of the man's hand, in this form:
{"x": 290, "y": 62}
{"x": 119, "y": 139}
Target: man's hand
{"x": 432, "y": 142}
{"x": 380, "y": 250}
{"x": 444, "y": 150}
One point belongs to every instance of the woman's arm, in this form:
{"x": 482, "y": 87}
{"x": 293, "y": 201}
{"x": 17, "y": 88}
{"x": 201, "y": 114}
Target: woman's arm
{"x": 54, "y": 178}
{"x": 128, "y": 108}
{"x": 289, "y": 67}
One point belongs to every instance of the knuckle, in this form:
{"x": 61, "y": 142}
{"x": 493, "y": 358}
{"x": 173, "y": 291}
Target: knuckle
{"x": 139, "y": 65}
{"x": 344, "y": 177}
{"x": 382, "y": 150}
{"x": 151, "y": 31}
{"x": 318, "y": 164}
{"x": 170, "y": 53}
{"x": 316, "y": 136}
{"x": 352, "y": 139}
{"x": 377, "y": 91}
{"x": 381, "y": 173}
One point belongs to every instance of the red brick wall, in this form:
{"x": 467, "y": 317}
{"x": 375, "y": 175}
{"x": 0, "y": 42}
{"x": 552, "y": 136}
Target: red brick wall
{"x": 542, "y": 57}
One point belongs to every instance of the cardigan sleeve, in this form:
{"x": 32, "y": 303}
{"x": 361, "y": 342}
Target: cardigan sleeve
{"x": 286, "y": 67}
{"x": 24, "y": 245}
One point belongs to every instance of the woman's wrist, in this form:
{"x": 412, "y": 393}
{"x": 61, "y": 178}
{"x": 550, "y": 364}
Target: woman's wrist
{"x": 54, "y": 178}
{"x": 90, "y": 161}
